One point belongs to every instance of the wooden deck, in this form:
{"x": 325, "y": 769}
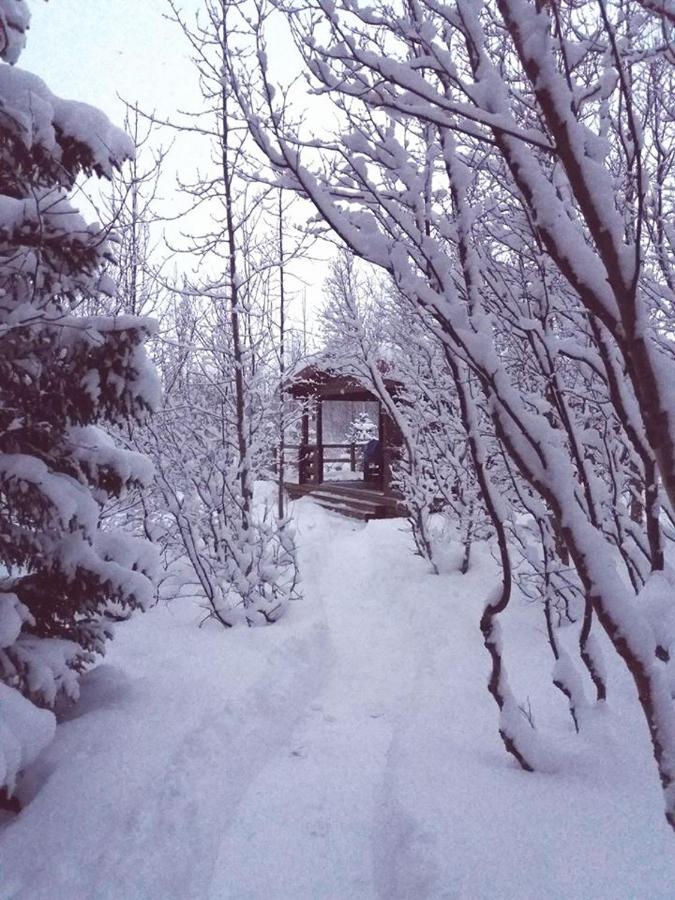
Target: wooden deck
{"x": 356, "y": 499}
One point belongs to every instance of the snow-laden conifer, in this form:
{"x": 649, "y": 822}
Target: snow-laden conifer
{"x": 63, "y": 378}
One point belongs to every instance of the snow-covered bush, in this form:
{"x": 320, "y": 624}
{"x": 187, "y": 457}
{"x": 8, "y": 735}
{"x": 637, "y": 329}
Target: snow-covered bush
{"x": 236, "y": 558}
{"x": 384, "y": 345}
{"x": 62, "y": 375}
{"x": 223, "y": 414}
{"x": 24, "y": 728}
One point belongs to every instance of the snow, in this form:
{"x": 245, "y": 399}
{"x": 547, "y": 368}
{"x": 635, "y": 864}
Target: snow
{"x": 12, "y": 616}
{"x": 41, "y": 114}
{"x": 25, "y": 731}
{"x": 14, "y": 20}
{"x": 349, "y": 751}
{"x": 70, "y": 501}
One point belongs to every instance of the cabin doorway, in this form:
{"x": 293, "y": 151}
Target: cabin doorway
{"x": 343, "y": 433}
{"x": 349, "y": 426}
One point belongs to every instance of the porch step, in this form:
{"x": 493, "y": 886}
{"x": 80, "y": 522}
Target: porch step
{"x": 353, "y": 506}
{"x": 354, "y": 501}
{"x": 350, "y": 491}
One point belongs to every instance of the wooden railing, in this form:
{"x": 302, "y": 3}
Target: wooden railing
{"x": 312, "y": 458}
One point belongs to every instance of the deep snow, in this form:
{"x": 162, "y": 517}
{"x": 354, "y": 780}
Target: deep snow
{"x": 349, "y": 751}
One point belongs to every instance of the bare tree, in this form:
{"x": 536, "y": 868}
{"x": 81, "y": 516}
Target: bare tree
{"x": 222, "y": 543}
{"x": 538, "y": 118}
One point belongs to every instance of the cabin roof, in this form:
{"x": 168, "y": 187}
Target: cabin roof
{"x": 315, "y": 381}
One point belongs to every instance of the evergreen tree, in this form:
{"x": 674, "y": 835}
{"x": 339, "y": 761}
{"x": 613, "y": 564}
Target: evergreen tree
{"x": 361, "y": 430}
{"x": 62, "y": 376}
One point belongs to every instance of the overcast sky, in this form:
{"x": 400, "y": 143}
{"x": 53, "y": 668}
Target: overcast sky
{"x": 98, "y": 51}
{"x": 94, "y": 50}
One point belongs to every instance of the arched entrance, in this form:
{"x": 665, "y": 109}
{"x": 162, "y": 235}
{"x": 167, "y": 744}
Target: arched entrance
{"x": 365, "y": 467}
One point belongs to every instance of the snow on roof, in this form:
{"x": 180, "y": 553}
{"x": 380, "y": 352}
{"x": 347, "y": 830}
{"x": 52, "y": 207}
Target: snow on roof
{"x": 322, "y": 373}
{"x": 14, "y": 22}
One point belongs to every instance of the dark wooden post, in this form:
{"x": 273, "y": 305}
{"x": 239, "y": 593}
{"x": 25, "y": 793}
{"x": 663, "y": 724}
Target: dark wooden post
{"x": 318, "y": 473}
{"x": 304, "y": 442}
{"x": 384, "y": 450}
{"x": 352, "y": 457}
{"x": 305, "y": 423}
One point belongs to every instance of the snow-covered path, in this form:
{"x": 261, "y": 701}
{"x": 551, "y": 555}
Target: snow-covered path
{"x": 319, "y": 809}
{"x": 348, "y": 752}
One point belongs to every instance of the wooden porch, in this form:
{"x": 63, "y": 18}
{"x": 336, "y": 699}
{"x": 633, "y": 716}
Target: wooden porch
{"x": 366, "y": 491}
{"x": 356, "y": 499}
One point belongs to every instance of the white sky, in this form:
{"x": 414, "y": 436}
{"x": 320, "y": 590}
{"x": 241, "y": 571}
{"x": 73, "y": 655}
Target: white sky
{"x": 98, "y": 51}
{"x": 93, "y": 50}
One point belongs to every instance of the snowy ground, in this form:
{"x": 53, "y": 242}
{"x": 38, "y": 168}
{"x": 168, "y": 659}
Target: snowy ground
{"x": 350, "y": 751}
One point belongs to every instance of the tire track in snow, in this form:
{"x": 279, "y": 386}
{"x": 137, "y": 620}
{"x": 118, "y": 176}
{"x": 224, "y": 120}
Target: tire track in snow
{"x": 154, "y": 781}
{"x": 402, "y": 844}
{"x": 313, "y": 819}
{"x": 206, "y": 777}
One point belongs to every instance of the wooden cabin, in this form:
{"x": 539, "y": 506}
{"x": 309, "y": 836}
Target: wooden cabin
{"x": 365, "y": 489}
